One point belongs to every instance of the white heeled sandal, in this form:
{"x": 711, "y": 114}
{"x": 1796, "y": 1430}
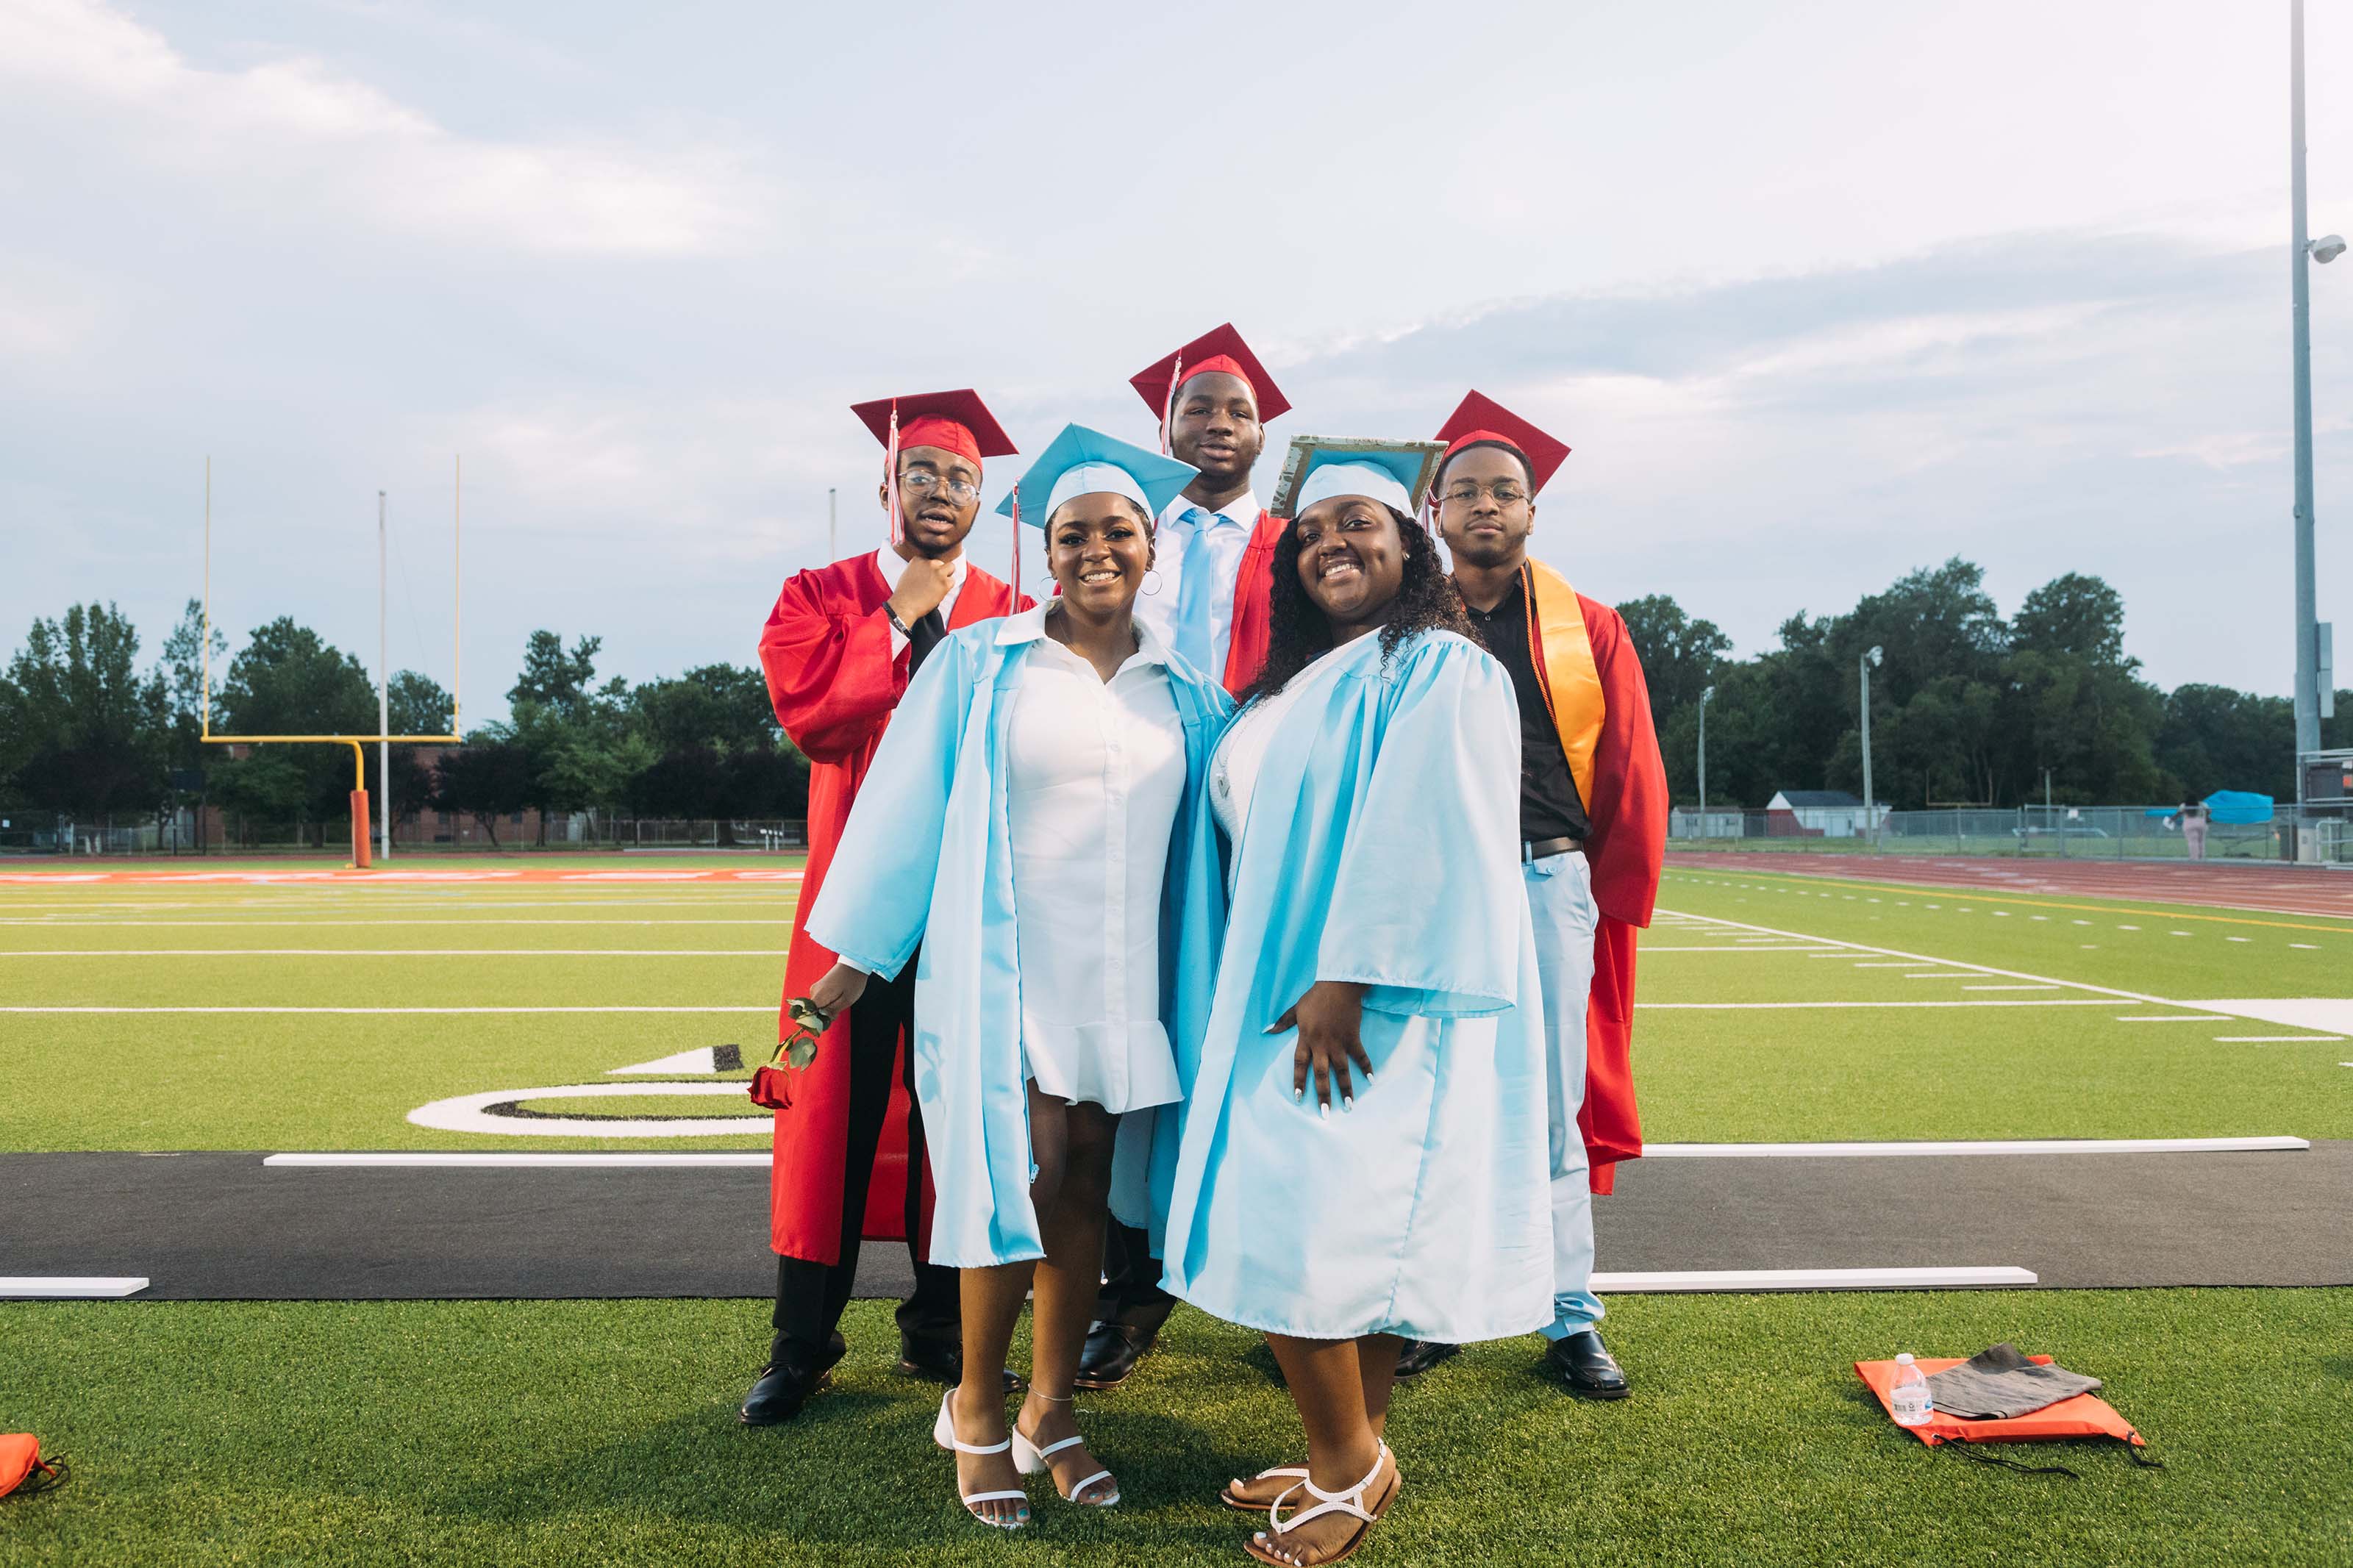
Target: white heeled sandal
{"x": 1029, "y": 1459}
{"x": 1350, "y": 1501}
{"x": 944, "y": 1434}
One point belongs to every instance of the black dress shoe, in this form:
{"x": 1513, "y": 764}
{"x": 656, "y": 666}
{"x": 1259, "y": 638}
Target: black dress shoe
{"x": 1418, "y": 1356}
{"x": 1585, "y": 1364}
{"x": 1110, "y": 1353}
{"x": 778, "y": 1396}
{"x": 935, "y": 1362}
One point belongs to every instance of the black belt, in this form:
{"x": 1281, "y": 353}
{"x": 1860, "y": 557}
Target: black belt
{"x": 1546, "y": 848}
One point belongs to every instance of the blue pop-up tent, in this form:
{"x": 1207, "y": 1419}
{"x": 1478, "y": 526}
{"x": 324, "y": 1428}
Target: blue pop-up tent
{"x": 2227, "y": 806}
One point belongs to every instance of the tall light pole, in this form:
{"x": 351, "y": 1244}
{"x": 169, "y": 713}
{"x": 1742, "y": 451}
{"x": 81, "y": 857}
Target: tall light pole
{"x": 1704, "y": 693}
{"x": 1870, "y": 802}
{"x": 2328, "y": 247}
{"x": 383, "y": 700}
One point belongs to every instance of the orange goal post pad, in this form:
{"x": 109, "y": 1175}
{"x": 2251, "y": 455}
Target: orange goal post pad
{"x": 2080, "y": 1416}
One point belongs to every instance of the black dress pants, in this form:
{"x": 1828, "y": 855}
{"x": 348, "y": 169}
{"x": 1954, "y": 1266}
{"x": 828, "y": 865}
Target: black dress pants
{"x": 1131, "y": 1291}
{"x": 810, "y": 1296}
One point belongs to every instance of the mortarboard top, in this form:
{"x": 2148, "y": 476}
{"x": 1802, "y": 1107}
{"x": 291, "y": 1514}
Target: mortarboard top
{"x": 1480, "y": 418}
{"x": 955, "y": 421}
{"x": 1395, "y": 473}
{"x": 1081, "y": 462}
{"x": 1221, "y": 348}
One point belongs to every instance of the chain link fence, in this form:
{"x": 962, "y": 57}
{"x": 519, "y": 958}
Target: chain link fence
{"x": 2059, "y": 832}
{"x": 215, "y": 833}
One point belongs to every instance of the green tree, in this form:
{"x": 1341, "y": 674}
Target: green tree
{"x": 1679, "y": 655}
{"x": 288, "y": 680}
{"x": 82, "y": 732}
{"x": 419, "y": 704}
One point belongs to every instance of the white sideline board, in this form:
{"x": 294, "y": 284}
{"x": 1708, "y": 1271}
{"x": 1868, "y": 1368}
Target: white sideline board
{"x": 70, "y": 1287}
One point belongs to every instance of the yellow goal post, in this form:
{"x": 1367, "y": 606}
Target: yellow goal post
{"x": 360, "y": 857}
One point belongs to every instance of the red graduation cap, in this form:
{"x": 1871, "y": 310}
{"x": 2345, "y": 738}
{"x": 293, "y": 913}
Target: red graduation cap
{"x": 1221, "y": 348}
{"x": 955, "y": 422}
{"x": 1480, "y": 418}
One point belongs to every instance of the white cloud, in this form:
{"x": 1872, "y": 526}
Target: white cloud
{"x": 327, "y": 140}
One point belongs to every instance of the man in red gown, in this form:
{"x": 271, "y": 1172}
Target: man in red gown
{"x": 1214, "y": 552}
{"x": 838, "y": 650}
{"x": 1593, "y": 822}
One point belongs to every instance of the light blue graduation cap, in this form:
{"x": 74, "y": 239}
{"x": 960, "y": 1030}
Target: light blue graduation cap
{"x": 1083, "y": 462}
{"x": 1397, "y": 474}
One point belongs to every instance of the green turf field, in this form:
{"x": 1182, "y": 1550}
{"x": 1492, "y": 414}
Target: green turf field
{"x": 581, "y": 1432}
{"x": 1773, "y": 1009}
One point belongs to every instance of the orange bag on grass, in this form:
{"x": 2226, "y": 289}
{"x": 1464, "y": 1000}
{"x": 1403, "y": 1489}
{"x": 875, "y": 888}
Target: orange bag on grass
{"x": 23, "y": 1471}
{"x": 2080, "y": 1416}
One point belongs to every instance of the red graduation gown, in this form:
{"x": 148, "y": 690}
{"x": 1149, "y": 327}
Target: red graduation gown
{"x": 834, "y": 680}
{"x": 1594, "y": 686}
{"x": 1251, "y": 627}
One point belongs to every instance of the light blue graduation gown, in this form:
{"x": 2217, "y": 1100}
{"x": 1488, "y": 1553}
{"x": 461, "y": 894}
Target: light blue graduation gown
{"x": 926, "y": 858}
{"x": 1381, "y": 847}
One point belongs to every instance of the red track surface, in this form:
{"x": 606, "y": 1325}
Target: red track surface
{"x": 2275, "y": 888}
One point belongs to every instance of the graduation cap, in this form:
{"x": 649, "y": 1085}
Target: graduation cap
{"x": 1478, "y": 418}
{"x": 1084, "y": 462}
{"x": 1397, "y": 474}
{"x": 1218, "y": 349}
{"x": 955, "y": 422}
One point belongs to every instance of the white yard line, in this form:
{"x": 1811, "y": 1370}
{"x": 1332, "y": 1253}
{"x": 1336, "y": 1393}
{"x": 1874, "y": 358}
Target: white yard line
{"x": 1985, "y": 1002}
{"x": 398, "y": 952}
{"x": 1695, "y": 1280}
{"x": 2171, "y": 1019}
{"x": 1922, "y": 958}
{"x": 2274, "y": 1040}
{"x": 765, "y": 1007}
{"x": 1974, "y": 1146}
{"x": 488, "y": 1160}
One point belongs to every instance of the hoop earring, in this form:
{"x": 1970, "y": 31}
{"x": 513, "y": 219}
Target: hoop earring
{"x": 1152, "y": 581}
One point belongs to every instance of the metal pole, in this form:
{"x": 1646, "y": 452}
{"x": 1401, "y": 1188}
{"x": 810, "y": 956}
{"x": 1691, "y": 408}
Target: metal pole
{"x": 2307, "y": 651}
{"x": 1702, "y": 764}
{"x": 832, "y": 534}
{"x": 1870, "y": 812}
{"x": 383, "y": 700}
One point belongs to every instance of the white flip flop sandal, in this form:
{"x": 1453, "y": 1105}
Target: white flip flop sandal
{"x": 1029, "y": 1459}
{"x": 1294, "y": 1473}
{"x": 1350, "y": 1501}
{"x": 944, "y": 1434}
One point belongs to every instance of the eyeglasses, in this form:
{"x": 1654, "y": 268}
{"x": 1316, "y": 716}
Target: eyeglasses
{"x": 923, "y": 482}
{"x": 1468, "y": 492}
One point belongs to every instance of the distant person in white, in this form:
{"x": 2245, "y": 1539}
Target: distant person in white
{"x": 2193, "y": 829}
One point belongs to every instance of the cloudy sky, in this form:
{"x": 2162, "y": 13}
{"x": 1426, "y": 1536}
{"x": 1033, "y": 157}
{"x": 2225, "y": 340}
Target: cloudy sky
{"x": 1818, "y": 294}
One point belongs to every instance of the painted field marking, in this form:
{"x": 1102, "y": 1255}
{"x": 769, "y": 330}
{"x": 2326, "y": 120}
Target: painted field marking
{"x": 1649, "y": 948}
{"x": 472, "y": 1113}
{"x": 1772, "y": 1006}
{"x": 434, "y": 952}
{"x": 2012, "y": 987}
{"x": 1697, "y": 1281}
{"x": 1979, "y": 968}
{"x": 764, "y": 1008}
{"x": 2307, "y": 946}
{"x": 1887, "y": 964}
{"x": 70, "y": 1287}
{"x": 444, "y": 924}
{"x": 2274, "y": 1040}
{"x": 1846, "y": 1151}
{"x": 487, "y": 1159}
{"x": 2171, "y": 1019}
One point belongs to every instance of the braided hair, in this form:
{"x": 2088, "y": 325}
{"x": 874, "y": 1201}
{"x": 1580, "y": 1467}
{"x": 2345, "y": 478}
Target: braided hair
{"x": 1426, "y": 601}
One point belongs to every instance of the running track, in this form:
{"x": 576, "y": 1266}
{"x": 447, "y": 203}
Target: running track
{"x": 2275, "y": 888}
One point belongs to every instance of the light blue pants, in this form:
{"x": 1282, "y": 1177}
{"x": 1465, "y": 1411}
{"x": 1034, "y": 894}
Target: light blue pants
{"x": 1561, "y": 900}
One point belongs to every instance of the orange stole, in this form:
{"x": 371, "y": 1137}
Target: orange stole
{"x": 1564, "y": 659}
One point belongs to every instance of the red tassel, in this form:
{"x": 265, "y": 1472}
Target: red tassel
{"x": 1014, "y": 582}
{"x": 891, "y": 472}
{"x": 1168, "y": 407}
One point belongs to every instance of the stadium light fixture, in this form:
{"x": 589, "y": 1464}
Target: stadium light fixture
{"x": 2327, "y": 247}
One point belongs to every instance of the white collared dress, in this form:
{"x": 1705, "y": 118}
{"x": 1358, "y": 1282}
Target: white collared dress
{"x": 1095, "y": 771}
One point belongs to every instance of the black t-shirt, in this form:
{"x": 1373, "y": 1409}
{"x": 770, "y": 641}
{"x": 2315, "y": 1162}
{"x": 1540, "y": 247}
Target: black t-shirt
{"x": 1549, "y": 807}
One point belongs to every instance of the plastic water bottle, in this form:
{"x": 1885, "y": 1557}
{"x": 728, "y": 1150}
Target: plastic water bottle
{"x": 1908, "y": 1400}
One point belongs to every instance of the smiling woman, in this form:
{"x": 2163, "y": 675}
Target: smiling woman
{"x": 1368, "y": 789}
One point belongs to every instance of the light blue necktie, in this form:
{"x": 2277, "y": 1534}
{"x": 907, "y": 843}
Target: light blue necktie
{"x": 1195, "y": 589}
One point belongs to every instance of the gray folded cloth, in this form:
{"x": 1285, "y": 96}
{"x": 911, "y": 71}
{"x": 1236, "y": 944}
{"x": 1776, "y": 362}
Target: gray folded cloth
{"x": 1999, "y": 1382}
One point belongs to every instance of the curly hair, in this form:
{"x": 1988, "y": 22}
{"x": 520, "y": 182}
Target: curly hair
{"x": 1426, "y": 601}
